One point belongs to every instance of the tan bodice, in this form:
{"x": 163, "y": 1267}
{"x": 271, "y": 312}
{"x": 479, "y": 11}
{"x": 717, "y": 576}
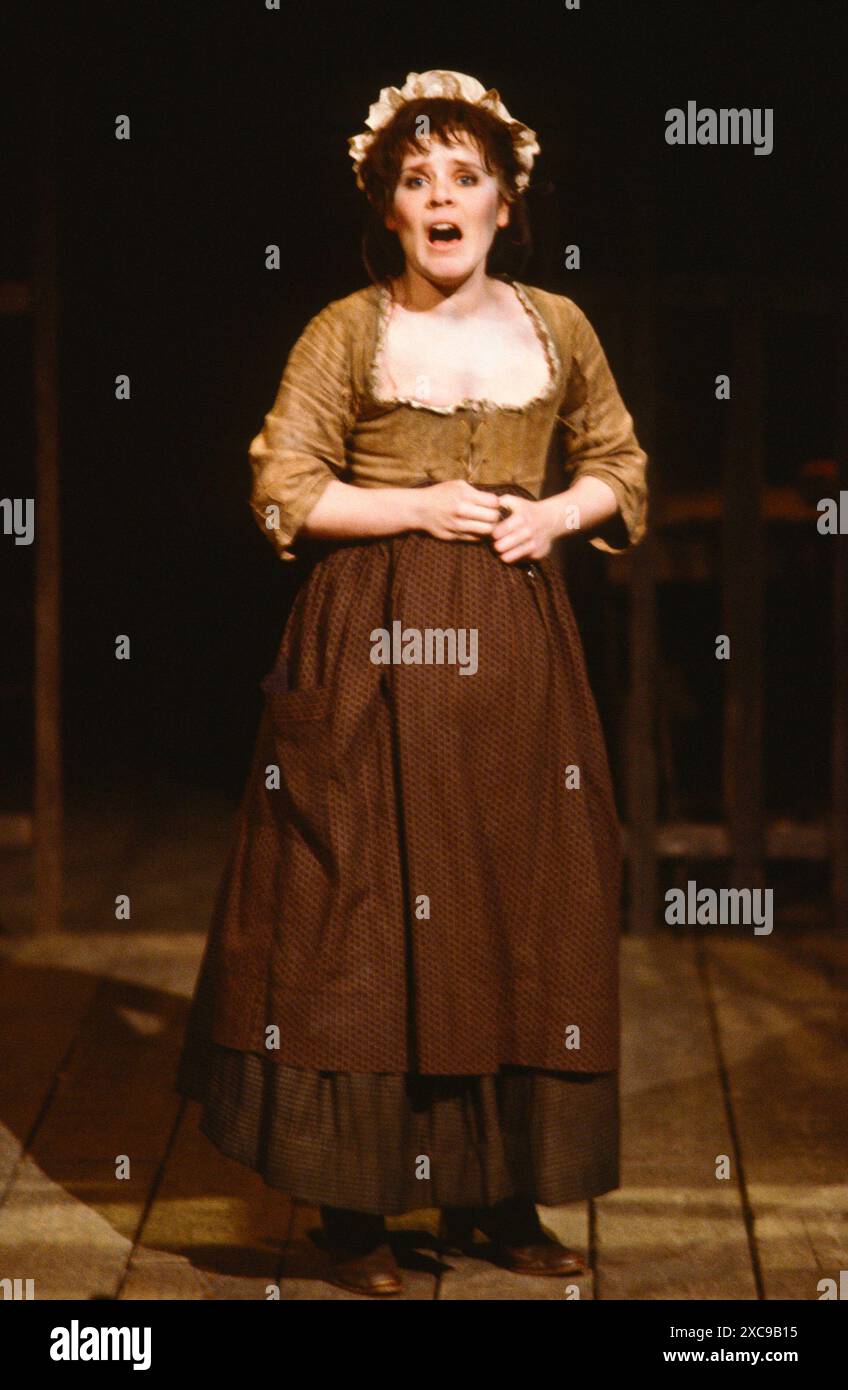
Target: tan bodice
{"x": 332, "y": 419}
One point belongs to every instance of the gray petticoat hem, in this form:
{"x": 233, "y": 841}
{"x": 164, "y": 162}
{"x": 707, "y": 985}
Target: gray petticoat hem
{"x": 389, "y": 1143}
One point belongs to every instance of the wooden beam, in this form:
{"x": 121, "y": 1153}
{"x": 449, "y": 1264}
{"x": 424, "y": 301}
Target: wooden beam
{"x": 641, "y": 760}
{"x": 784, "y": 839}
{"x": 840, "y": 651}
{"x": 777, "y": 504}
{"x": 48, "y": 750}
{"x": 743, "y": 561}
{"x": 643, "y": 917}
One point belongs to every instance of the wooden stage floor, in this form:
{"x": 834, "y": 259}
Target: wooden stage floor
{"x": 733, "y": 1045}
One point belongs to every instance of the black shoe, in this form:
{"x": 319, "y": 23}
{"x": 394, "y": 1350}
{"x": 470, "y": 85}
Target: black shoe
{"x": 518, "y": 1241}
{"x": 362, "y": 1259}
{"x": 376, "y": 1273}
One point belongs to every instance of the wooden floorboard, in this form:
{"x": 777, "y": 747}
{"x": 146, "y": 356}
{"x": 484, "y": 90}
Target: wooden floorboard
{"x": 214, "y": 1230}
{"x": 783, "y": 1024}
{"x": 41, "y": 1009}
{"x": 107, "y": 1109}
{"x": 60, "y": 1215}
{"x": 731, "y": 1046}
{"x": 673, "y": 1229}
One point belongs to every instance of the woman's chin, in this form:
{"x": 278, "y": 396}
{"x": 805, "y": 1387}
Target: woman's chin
{"x": 445, "y": 272}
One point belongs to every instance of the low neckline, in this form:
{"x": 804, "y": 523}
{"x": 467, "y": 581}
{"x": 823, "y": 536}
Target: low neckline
{"x": 543, "y": 333}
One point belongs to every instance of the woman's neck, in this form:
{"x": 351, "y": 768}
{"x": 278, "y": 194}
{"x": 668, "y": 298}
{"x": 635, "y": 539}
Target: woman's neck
{"x": 419, "y": 295}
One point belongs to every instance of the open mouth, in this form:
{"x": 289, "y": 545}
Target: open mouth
{"x": 444, "y": 231}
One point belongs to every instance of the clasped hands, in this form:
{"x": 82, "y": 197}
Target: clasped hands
{"x": 455, "y": 510}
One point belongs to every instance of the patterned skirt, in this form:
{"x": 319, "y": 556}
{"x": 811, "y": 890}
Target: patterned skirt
{"x": 523, "y": 941}
{"x": 390, "y": 1143}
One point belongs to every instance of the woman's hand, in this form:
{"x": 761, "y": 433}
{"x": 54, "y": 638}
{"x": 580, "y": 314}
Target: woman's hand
{"x": 456, "y": 511}
{"x": 528, "y": 532}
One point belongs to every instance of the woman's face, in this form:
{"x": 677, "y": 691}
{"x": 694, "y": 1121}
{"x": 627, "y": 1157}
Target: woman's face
{"x": 446, "y": 210}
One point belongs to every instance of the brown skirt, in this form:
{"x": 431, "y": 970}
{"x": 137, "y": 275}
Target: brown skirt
{"x": 357, "y": 1140}
{"x": 425, "y": 870}
{"x": 424, "y": 910}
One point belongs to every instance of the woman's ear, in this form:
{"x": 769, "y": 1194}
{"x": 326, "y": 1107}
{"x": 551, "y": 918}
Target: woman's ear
{"x": 503, "y": 215}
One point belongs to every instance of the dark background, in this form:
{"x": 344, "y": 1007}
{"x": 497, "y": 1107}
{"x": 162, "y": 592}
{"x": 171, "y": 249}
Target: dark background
{"x": 240, "y": 119}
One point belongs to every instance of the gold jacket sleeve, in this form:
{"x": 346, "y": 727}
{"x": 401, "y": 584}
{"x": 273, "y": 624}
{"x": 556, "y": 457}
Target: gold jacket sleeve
{"x": 599, "y": 440}
{"x": 301, "y": 446}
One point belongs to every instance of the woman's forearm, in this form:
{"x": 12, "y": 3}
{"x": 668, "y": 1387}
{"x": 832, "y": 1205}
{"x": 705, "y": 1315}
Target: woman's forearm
{"x": 583, "y": 506}
{"x": 344, "y": 510}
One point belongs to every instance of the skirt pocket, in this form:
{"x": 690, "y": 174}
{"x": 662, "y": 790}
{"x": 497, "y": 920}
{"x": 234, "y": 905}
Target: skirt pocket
{"x": 300, "y": 732}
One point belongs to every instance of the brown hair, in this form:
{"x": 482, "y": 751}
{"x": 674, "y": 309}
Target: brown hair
{"x": 380, "y": 171}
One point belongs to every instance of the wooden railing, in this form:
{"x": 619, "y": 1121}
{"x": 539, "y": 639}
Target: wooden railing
{"x": 743, "y": 506}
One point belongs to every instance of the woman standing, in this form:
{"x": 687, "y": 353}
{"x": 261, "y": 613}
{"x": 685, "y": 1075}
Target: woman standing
{"x": 409, "y": 996}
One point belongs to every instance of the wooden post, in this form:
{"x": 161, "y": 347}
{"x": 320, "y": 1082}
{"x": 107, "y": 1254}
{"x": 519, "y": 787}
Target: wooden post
{"x": 641, "y": 722}
{"x": 48, "y": 747}
{"x": 641, "y": 762}
{"x": 743, "y": 588}
{"x": 840, "y": 651}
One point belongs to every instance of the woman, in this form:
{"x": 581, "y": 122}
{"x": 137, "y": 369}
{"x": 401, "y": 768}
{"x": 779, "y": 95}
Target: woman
{"x": 409, "y": 996}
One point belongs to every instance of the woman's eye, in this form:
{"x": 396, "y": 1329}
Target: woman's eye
{"x": 413, "y": 180}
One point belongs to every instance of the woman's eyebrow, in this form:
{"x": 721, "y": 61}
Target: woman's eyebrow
{"x": 460, "y": 163}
